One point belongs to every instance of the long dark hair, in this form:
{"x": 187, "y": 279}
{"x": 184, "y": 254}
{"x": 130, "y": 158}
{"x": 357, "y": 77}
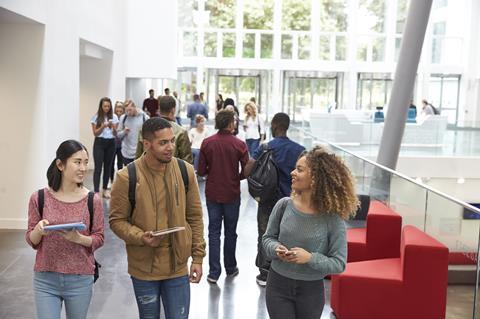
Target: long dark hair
{"x": 101, "y": 116}
{"x": 64, "y": 152}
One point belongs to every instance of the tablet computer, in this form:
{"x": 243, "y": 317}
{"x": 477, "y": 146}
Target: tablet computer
{"x": 69, "y": 226}
{"x": 167, "y": 231}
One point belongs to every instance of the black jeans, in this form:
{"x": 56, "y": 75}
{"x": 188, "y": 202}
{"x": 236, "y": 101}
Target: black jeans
{"x": 103, "y": 153}
{"x": 119, "y": 156}
{"x": 294, "y": 299}
{"x": 263, "y": 214}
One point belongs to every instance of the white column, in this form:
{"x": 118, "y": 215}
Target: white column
{"x": 315, "y": 29}
{"x": 239, "y": 30}
{"x": 350, "y": 101}
{"x": 276, "y": 100}
{"x": 410, "y": 51}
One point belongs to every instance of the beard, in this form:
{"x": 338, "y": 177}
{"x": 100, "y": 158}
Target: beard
{"x": 163, "y": 161}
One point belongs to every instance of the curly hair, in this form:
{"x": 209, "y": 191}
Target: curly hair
{"x": 333, "y": 186}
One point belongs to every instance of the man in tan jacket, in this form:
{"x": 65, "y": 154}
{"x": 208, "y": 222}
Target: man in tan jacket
{"x": 183, "y": 146}
{"x": 158, "y": 264}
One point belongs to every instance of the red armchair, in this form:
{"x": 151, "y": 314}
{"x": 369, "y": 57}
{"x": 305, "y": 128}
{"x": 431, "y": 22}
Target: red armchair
{"x": 411, "y": 286}
{"x": 380, "y": 238}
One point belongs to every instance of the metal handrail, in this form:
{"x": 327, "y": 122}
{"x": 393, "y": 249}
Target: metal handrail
{"x": 389, "y": 170}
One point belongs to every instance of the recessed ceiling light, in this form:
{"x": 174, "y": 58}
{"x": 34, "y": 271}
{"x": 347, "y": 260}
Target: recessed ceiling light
{"x": 461, "y": 180}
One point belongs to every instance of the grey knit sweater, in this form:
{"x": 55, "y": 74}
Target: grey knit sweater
{"x": 323, "y": 235}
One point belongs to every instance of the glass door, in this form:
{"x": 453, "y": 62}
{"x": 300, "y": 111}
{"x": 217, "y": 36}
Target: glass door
{"x": 373, "y": 90}
{"x": 305, "y": 92}
{"x": 443, "y": 91}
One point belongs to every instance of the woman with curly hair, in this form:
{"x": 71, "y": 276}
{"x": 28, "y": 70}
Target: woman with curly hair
{"x": 306, "y": 235}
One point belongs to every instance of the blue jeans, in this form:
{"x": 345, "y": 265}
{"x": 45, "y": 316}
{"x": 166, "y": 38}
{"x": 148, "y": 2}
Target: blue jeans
{"x": 229, "y": 214}
{"x": 175, "y": 294}
{"x": 52, "y": 288}
{"x": 196, "y": 157}
{"x": 252, "y": 145}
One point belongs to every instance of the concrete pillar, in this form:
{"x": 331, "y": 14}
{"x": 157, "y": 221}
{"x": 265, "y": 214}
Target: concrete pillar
{"x": 405, "y": 73}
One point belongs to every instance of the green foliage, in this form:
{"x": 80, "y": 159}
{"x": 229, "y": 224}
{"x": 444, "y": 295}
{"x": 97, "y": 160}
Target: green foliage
{"x": 222, "y": 13}
{"x": 333, "y": 16}
{"x": 258, "y": 14}
{"x": 247, "y": 84}
{"x": 296, "y": 15}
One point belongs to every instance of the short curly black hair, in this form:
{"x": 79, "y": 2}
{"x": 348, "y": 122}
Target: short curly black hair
{"x": 152, "y": 125}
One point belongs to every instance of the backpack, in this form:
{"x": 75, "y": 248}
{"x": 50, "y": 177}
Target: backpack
{"x": 132, "y": 180}
{"x": 41, "y": 201}
{"x": 264, "y": 179}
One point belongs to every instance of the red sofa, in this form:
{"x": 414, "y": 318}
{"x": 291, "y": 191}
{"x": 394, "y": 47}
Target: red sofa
{"x": 411, "y": 286}
{"x": 380, "y": 238}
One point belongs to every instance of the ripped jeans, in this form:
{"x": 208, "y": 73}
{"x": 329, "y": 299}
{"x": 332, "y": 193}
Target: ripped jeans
{"x": 175, "y": 295}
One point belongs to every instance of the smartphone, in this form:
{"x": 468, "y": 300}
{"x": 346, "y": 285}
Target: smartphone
{"x": 290, "y": 253}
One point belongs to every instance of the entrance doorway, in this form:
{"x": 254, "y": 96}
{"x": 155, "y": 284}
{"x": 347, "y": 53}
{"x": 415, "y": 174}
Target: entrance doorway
{"x": 305, "y": 91}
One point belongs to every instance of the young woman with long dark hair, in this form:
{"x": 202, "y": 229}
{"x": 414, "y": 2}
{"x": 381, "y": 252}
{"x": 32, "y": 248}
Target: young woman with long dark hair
{"x": 104, "y": 128}
{"x": 64, "y": 265}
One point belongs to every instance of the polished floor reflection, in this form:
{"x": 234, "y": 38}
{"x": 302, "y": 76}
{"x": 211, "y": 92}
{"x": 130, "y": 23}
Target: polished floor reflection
{"x": 238, "y": 297}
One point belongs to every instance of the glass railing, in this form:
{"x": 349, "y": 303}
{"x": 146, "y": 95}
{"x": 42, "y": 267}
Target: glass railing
{"x": 452, "y": 222}
{"x": 427, "y": 136}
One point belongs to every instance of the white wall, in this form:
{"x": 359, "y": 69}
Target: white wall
{"x": 151, "y": 39}
{"x": 94, "y": 84}
{"x": 40, "y": 80}
{"x": 21, "y": 133}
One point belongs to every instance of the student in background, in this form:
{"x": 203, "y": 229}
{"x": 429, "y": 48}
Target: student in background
{"x": 197, "y": 107}
{"x": 253, "y": 126}
{"x": 306, "y": 235}
{"x": 219, "y": 103}
{"x": 221, "y": 156}
{"x": 128, "y": 130}
{"x": 119, "y": 111}
{"x": 285, "y": 155}
{"x": 150, "y": 104}
{"x": 197, "y": 134}
{"x": 64, "y": 263}
{"x": 104, "y": 128}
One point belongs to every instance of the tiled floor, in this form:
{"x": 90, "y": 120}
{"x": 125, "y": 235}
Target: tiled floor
{"x": 239, "y": 297}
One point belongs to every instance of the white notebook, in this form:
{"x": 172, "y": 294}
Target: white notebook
{"x": 167, "y": 231}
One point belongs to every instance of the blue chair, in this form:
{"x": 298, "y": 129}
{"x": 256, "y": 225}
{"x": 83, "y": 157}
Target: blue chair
{"x": 412, "y": 115}
{"x": 378, "y": 117}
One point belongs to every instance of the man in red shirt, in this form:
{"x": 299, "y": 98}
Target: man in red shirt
{"x": 220, "y": 156}
{"x": 150, "y": 104}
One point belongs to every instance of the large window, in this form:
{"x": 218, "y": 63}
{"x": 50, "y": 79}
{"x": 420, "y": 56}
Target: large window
{"x": 333, "y": 15}
{"x": 258, "y": 14}
{"x": 222, "y": 13}
{"x": 296, "y": 15}
{"x": 371, "y": 16}
{"x": 443, "y": 94}
{"x": 373, "y": 90}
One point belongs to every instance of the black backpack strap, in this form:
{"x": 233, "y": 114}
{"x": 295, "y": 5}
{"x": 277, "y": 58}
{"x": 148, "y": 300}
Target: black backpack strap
{"x": 41, "y": 200}
{"x": 132, "y": 184}
{"x": 124, "y": 119}
{"x": 183, "y": 170}
{"x": 90, "y": 208}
